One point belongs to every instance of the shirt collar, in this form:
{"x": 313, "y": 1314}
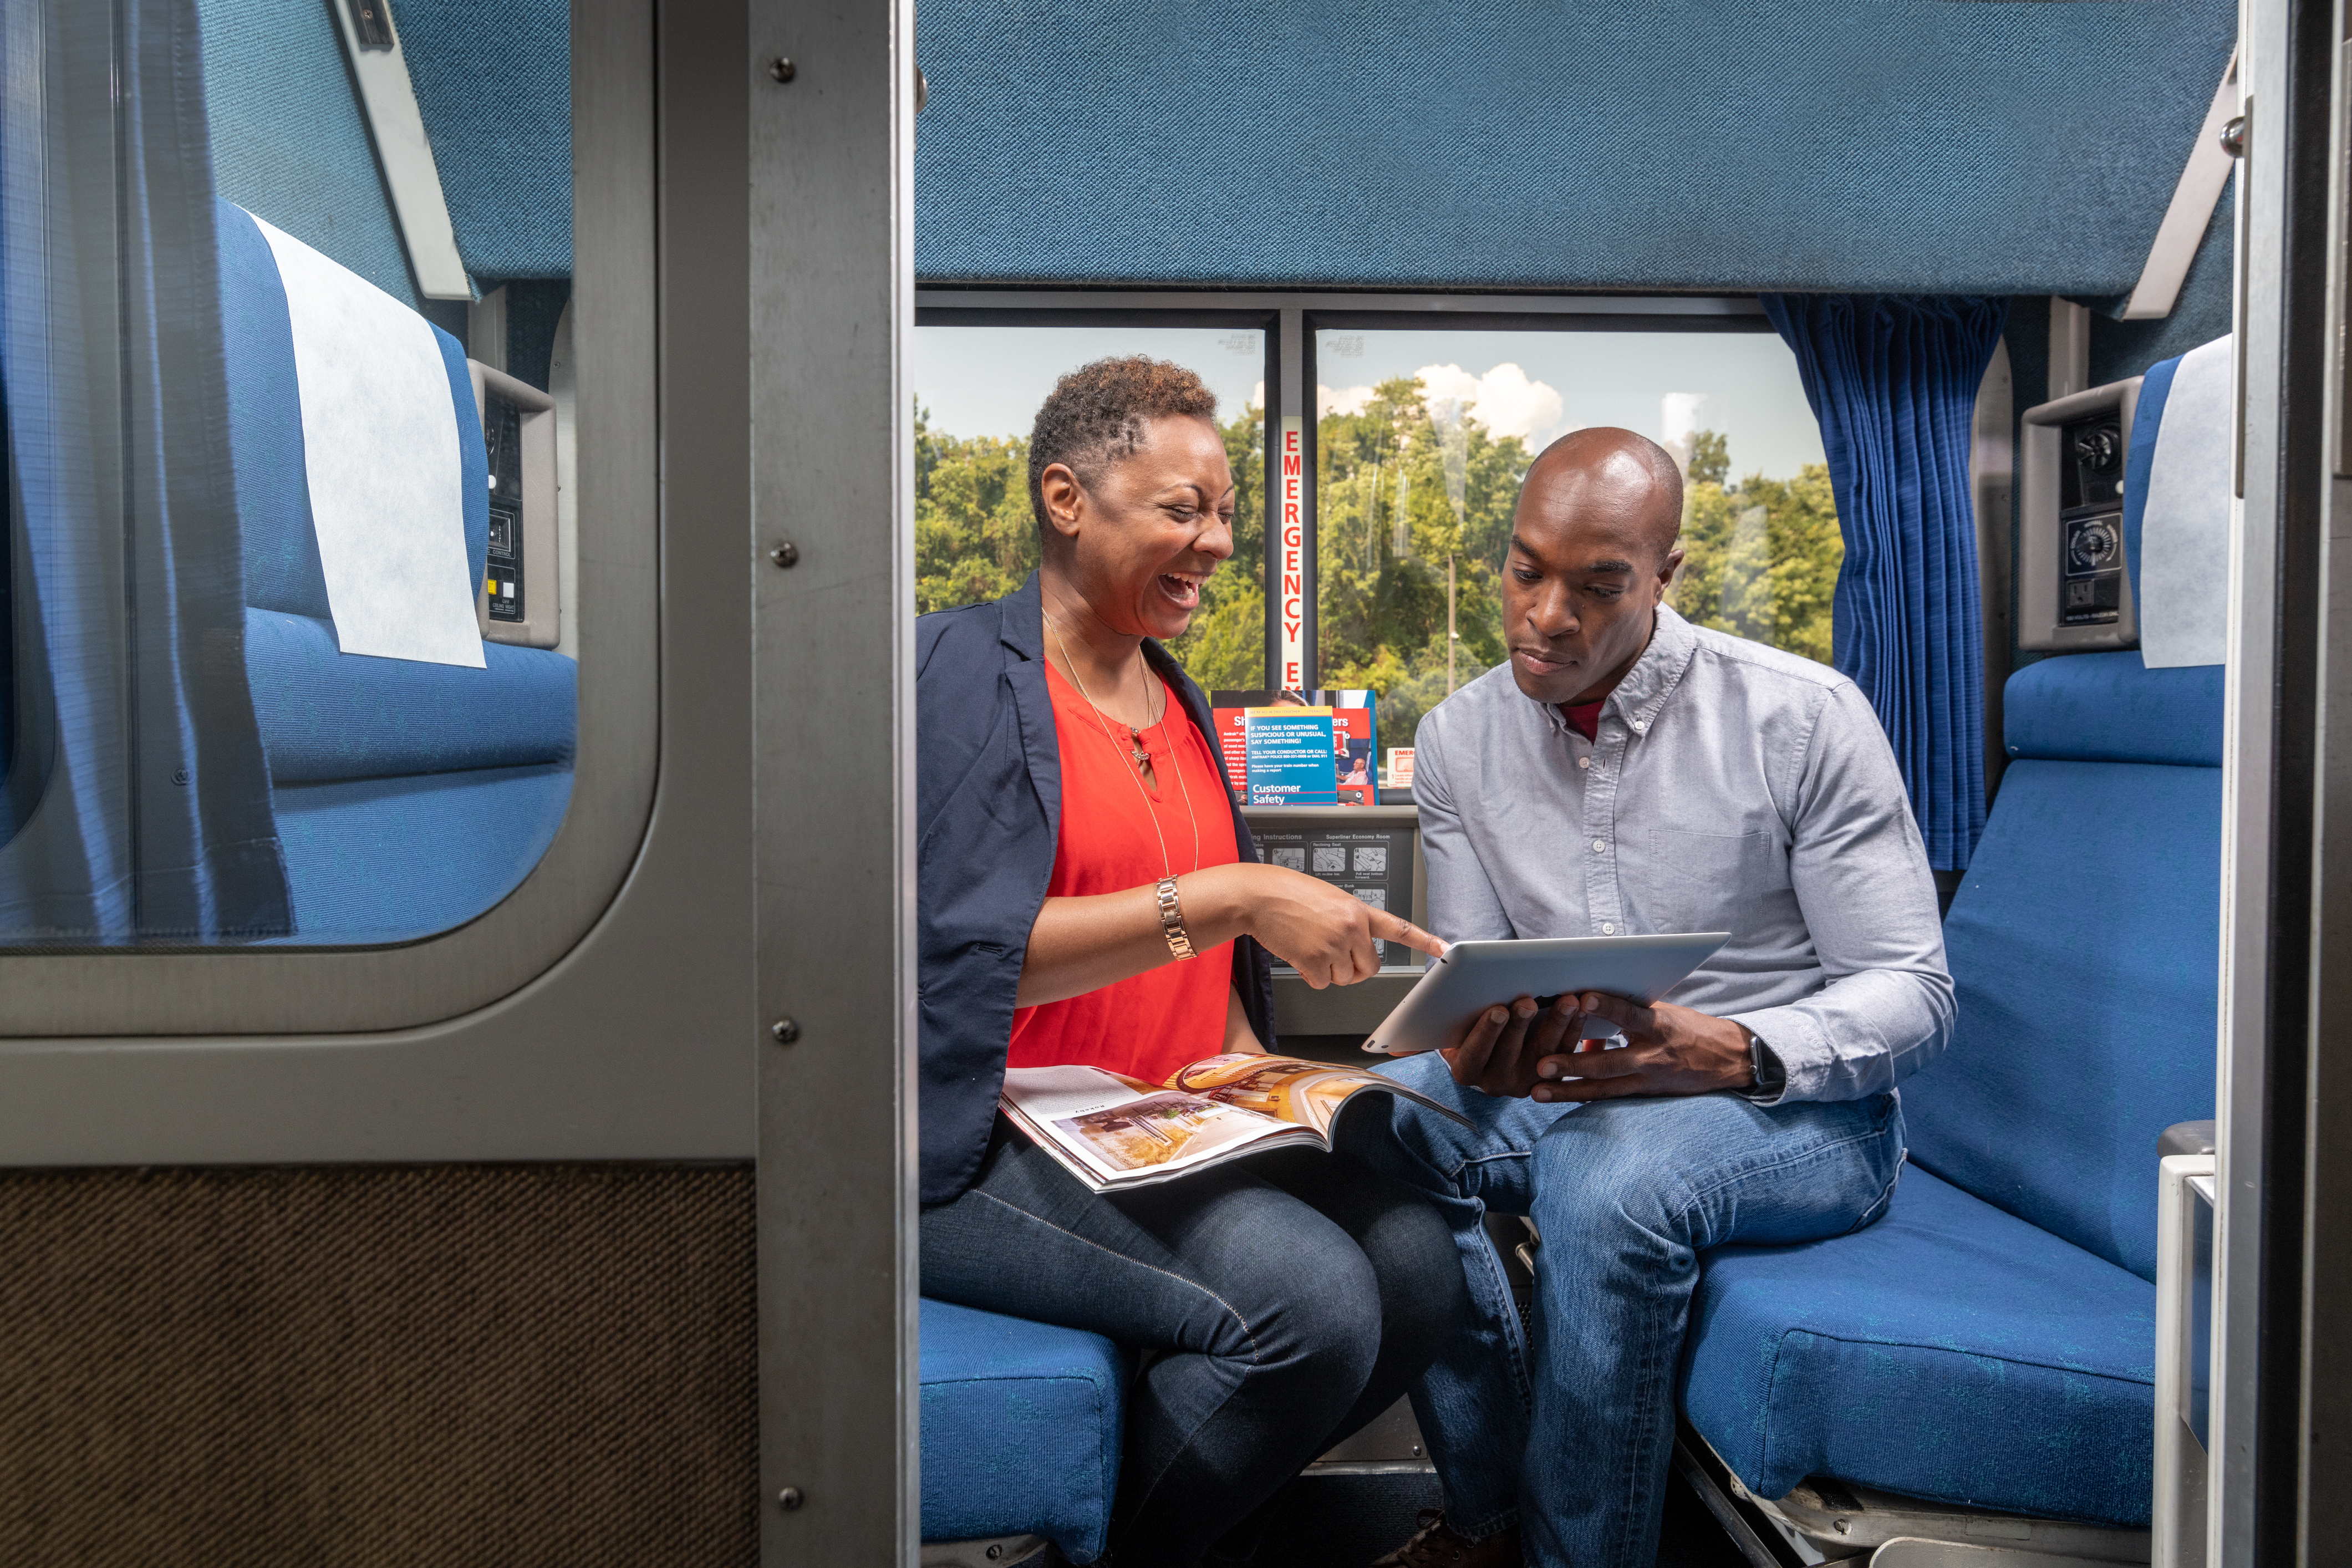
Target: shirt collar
{"x": 1638, "y": 697}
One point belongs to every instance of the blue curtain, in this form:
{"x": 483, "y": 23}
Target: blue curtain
{"x": 137, "y": 803}
{"x": 1893, "y": 381}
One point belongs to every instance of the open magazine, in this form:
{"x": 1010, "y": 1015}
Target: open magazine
{"x": 1114, "y": 1133}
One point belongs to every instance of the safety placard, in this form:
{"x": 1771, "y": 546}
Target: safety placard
{"x": 1290, "y": 559}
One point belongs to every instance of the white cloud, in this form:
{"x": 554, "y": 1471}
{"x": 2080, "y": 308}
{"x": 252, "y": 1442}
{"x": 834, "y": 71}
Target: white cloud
{"x": 1678, "y": 423}
{"x": 1257, "y": 395}
{"x": 1503, "y": 400}
{"x": 1509, "y": 404}
{"x": 1447, "y": 384}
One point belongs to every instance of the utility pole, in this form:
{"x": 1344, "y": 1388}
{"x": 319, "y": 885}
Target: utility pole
{"x": 1452, "y": 637}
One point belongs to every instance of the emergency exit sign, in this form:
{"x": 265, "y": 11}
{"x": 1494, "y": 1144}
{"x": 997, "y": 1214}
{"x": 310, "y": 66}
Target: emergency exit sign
{"x": 1290, "y": 559}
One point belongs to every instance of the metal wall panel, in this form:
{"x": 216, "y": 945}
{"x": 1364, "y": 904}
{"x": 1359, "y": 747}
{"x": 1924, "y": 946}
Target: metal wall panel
{"x": 832, "y": 148}
{"x": 2269, "y": 802}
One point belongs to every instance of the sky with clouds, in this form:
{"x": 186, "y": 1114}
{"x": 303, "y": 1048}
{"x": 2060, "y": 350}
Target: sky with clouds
{"x": 1538, "y": 386}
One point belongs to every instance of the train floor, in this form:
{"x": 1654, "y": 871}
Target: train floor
{"x": 1345, "y": 1521}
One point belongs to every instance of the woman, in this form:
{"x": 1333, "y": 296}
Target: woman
{"x": 1088, "y": 894}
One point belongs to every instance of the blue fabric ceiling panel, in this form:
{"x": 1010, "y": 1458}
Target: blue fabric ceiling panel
{"x": 493, "y": 79}
{"x": 289, "y": 144}
{"x": 1850, "y": 145}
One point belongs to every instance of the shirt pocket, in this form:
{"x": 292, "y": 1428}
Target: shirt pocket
{"x": 1707, "y": 881}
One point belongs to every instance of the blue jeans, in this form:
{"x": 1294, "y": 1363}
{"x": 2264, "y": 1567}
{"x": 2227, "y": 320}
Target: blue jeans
{"x": 1571, "y": 1434}
{"x": 1287, "y": 1299}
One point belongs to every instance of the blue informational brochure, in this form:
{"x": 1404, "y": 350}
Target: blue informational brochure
{"x": 1290, "y": 757}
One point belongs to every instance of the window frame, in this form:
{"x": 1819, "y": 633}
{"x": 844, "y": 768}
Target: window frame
{"x": 49, "y": 993}
{"x": 1291, "y": 319}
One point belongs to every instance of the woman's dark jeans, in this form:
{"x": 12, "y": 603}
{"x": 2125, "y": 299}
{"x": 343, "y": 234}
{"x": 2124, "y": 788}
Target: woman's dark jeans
{"x": 1288, "y": 1299}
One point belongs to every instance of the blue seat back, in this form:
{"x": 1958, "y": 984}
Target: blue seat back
{"x": 408, "y": 797}
{"x": 2084, "y": 945}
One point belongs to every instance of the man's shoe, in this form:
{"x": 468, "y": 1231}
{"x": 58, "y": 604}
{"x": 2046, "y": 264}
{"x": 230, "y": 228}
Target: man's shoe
{"x": 1435, "y": 1545}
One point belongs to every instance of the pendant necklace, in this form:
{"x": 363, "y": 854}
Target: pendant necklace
{"x": 1141, "y": 755}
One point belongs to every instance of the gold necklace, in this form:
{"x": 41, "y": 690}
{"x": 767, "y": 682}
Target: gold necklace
{"x": 1141, "y": 756}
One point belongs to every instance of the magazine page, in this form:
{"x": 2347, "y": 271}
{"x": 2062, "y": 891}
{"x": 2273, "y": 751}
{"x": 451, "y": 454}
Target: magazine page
{"x": 1290, "y": 1088}
{"x": 1111, "y": 1131}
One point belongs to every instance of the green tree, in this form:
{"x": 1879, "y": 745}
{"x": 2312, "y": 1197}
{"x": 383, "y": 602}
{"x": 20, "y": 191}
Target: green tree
{"x": 1400, "y": 490}
{"x": 1759, "y": 558}
{"x": 975, "y": 537}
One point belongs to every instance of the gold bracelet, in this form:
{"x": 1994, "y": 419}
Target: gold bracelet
{"x": 1171, "y": 922}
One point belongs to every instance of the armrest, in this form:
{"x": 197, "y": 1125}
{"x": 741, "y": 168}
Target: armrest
{"x": 2186, "y": 1138}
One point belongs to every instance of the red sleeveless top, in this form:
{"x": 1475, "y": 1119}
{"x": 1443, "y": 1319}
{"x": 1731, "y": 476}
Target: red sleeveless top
{"x": 1151, "y": 1024}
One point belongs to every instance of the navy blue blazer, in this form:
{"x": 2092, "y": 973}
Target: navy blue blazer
{"x": 987, "y": 814}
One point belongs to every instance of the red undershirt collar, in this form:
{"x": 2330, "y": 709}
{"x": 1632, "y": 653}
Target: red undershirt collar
{"x": 1584, "y": 717}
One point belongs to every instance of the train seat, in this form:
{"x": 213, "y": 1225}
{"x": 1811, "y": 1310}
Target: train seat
{"x": 1990, "y": 1341}
{"x": 1021, "y": 1432}
{"x": 408, "y": 796}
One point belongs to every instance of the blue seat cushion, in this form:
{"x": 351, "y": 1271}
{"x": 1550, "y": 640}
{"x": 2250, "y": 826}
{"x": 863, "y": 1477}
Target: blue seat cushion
{"x": 324, "y": 714}
{"x": 396, "y": 859}
{"x": 1021, "y": 1429}
{"x": 1950, "y": 1352}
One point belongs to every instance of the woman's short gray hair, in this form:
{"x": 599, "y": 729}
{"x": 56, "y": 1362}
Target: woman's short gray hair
{"x": 1098, "y": 414}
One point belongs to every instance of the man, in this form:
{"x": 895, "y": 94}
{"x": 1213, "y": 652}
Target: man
{"x": 1631, "y": 772}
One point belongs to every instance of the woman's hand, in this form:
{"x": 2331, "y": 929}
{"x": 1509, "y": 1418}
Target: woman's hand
{"x": 1082, "y": 943}
{"x": 1325, "y": 932}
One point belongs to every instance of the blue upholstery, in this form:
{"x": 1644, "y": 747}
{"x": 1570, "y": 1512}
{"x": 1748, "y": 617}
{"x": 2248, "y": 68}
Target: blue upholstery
{"x": 493, "y": 81}
{"x": 1021, "y": 1429}
{"x": 2107, "y": 708}
{"x": 2086, "y": 939}
{"x": 1949, "y": 1351}
{"x": 1383, "y": 142}
{"x": 2139, "y": 457}
{"x": 394, "y": 859}
{"x": 409, "y": 797}
{"x": 1990, "y": 1341}
{"x": 288, "y": 141}
{"x": 323, "y": 716}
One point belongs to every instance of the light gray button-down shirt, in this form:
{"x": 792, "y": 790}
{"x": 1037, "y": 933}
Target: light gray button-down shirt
{"x": 1731, "y": 787}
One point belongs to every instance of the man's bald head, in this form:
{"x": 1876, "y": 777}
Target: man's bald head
{"x": 1592, "y": 552}
{"x": 1603, "y": 471}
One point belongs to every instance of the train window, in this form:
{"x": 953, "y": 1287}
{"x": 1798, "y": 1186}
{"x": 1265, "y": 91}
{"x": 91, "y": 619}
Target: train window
{"x": 281, "y": 583}
{"x": 977, "y": 390}
{"x": 1422, "y": 437}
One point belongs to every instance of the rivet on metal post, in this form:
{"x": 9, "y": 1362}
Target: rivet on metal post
{"x": 786, "y": 1031}
{"x": 785, "y": 554}
{"x": 789, "y": 1498}
{"x": 783, "y": 69}
{"x": 2234, "y": 137}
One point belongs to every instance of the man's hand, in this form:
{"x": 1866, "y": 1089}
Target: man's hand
{"x": 1500, "y": 1052}
{"x": 1668, "y": 1050}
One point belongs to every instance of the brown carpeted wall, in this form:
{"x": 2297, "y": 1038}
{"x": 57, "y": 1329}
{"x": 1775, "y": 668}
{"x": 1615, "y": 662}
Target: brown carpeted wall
{"x": 363, "y": 1367}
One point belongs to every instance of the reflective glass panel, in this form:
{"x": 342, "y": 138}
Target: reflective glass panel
{"x": 285, "y": 346}
{"x": 1421, "y": 438}
{"x": 978, "y": 390}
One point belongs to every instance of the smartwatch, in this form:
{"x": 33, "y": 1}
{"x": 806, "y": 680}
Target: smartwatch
{"x": 1771, "y": 1078}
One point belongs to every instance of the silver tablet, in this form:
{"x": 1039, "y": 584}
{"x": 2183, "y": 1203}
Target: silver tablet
{"x": 1474, "y": 975}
